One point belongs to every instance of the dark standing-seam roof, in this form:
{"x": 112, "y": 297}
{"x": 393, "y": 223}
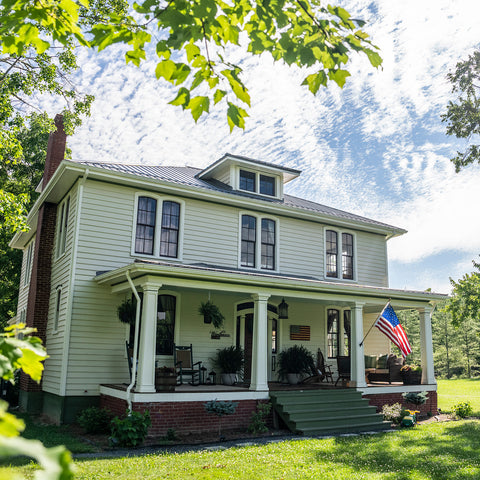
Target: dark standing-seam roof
{"x": 187, "y": 176}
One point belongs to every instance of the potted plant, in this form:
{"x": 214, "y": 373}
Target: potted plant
{"x": 411, "y": 374}
{"x": 127, "y": 310}
{"x": 165, "y": 379}
{"x": 211, "y": 314}
{"x": 229, "y": 361}
{"x": 295, "y": 362}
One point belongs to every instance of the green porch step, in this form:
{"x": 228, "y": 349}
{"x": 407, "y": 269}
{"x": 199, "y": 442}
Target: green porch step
{"x": 326, "y": 411}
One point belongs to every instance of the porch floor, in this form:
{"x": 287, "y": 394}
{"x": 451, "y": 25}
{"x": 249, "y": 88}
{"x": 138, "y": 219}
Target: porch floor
{"x": 272, "y": 386}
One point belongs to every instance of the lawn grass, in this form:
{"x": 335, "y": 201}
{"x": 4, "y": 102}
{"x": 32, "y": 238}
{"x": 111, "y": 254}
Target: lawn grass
{"x": 451, "y": 392}
{"x": 437, "y": 451}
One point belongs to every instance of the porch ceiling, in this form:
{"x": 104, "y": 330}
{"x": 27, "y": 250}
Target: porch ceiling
{"x": 208, "y": 277}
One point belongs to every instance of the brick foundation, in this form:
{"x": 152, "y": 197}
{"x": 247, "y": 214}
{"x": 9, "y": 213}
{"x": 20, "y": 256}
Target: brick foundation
{"x": 378, "y": 400}
{"x": 184, "y": 417}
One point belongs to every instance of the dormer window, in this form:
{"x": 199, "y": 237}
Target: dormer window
{"x": 248, "y": 181}
{"x": 267, "y": 185}
{"x": 257, "y": 183}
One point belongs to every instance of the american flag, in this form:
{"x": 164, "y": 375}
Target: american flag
{"x": 388, "y": 324}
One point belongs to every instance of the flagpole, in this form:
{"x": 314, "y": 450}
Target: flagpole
{"x": 373, "y": 324}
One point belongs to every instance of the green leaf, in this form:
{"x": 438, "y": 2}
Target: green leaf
{"x": 339, "y": 76}
{"x": 237, "y": 86}
{"x": 236, "y": 116}
{"x": 218, "y": 95}
{"x": 182, "y": 99}
{"x": 315, "y": 80}
{"x": 375, "y": 59}
{"x": 165, "y": 69}
{"x": 198, "y": 106}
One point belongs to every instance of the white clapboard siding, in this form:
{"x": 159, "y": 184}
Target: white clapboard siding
{"x": 61, "y": 271}
{"x": 376, "y": 342}
{"x": 371, "y": 259}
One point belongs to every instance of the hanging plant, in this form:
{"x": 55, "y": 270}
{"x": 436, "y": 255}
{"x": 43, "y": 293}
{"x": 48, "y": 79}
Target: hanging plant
{"x": 127, "y": 310}
{"x": 211, "y": 314}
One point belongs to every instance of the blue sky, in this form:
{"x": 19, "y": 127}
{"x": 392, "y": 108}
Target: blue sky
{"x": 376, "y": 148}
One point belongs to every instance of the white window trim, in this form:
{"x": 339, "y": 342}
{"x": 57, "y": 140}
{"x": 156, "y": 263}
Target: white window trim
{"x": 61, "y": 232}
{"x": 258, "y": 242}
{"x": 339, "y": 277}
{"x": 158, "y": 224}
{"x": 29, "y": 252}
{"x": 277, "y": 178}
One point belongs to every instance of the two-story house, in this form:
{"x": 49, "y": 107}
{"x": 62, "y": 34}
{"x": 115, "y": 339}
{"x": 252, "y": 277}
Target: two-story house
{"x": 175, "y": 237}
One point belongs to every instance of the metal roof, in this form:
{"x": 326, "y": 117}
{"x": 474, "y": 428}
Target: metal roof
{"x": 188, "y": 176}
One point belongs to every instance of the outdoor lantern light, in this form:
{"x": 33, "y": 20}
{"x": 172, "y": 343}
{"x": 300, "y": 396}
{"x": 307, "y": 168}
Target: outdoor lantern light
{"x": 203, "y": 371}
{"x": 283, "y": 309}
{"x": 212, "y": 376}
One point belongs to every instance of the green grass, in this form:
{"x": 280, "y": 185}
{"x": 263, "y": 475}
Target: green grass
{"x": 437, "y": 451}
{"x": 451, "y": 392}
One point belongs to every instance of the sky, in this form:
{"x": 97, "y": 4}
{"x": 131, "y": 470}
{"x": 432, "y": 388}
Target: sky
{"x": 376, "y": 148}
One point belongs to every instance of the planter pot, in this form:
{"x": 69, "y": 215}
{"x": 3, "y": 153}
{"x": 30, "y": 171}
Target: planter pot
{"x": 165, "y": 382}
{"x": 294, "y": 378}
{"x": 229, "y": 378}
{"x": 412, "y": 378}
{"x": 207, "y": 319}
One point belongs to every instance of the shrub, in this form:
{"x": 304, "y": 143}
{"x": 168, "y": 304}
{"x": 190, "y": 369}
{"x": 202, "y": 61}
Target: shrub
{"x": 95, "y": 420}
{"x": 131, "y": 430}
{"x": 220, "y": 409}
{"x": 258, "y": 419}
{"x": 416, "y": 398}
{"x": 393, "y": 413}
{"x": 463, "y": 409}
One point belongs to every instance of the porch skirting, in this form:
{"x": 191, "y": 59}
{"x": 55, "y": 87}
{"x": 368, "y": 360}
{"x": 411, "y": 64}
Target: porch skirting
{"x": 185, "y": 417}
{"x": 380, "y": 399}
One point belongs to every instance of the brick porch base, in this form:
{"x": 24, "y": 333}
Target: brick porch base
{"x": 378, "y": 400}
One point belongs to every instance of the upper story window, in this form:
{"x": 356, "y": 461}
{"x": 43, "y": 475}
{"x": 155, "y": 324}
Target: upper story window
{"x": 339, "y": 266}
{"x": 248, "y": 181}
{"x": 28, "y": 262}
{"x": 258, "y": 244}
{"x": 267, "y": 185}
{"x": 158, "y": 227}
{"x": 257, "y": 183}
{"x": 62, "y": 226}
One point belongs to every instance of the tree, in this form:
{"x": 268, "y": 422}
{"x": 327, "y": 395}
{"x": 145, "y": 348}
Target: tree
{"x": 37, "y": 57}
{"x": 463, "y": 116}
{"x": 194, "y": 41}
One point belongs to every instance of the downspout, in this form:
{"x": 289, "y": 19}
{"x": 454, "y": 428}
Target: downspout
{"x": 135, "y": 343}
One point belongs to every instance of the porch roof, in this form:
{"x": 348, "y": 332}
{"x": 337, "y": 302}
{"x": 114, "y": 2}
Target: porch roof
{"x": 204, "y": 276}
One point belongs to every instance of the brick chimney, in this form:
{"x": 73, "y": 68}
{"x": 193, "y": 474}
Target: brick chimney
{"x": 55, "y": 150}
{"x": 39, "y": 288}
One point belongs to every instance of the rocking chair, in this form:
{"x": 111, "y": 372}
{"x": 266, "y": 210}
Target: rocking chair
{"x": 183, "y": 359}
{"x": 321, "y": 371}
{"x": 343, "y": 365}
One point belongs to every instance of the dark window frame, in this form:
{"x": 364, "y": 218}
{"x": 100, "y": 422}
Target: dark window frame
{"x": 331, "y": 249}
{"x": 170, "y": 229}
{"x": 146, "y": 222}
{"x": 165, "y": 334}
{"x": 333, "y": 327}
{"x": 268, "y": 245}
{"x": 248, "y": 181}
{"x": 267, "y": 184}
{"x": 248, "y": 254}
{"x": 347, "y": 256}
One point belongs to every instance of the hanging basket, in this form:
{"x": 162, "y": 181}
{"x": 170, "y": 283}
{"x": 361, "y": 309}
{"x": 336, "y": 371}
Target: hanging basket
{"x": 211, "y": 314}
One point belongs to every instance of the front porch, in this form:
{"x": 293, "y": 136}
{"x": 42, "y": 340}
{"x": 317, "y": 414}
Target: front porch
{"x": 325, "y": 316}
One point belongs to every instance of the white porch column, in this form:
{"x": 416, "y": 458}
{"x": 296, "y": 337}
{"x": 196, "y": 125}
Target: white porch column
{"x": 259, "y": 380}
{"x": 148, "y": 336}
{"x": 357, "y": 359}
{"x": 426, "y": 346}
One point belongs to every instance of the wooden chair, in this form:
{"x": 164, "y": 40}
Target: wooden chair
{"x": 324, "y": 368}
{"x": 184, "y": 365}
{"x": 343, "y": 365}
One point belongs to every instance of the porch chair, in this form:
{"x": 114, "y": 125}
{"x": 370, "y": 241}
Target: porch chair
{"x": 343, "y": 365}
{"x": 321, "y": 371}
{"x": 183, "y": 358}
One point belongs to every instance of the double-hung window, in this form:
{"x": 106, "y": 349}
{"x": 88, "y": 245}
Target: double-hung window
{"x": 258, "y": 246}
{"x": 157, "y": 230}
{"x": 62, "y": 226}
{"x": 338, "y": 332}
{"x": 28, "y": 262}
{"x": 339, "y": 265}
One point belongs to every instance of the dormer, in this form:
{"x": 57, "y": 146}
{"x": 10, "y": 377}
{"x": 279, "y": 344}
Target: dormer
{"x": 244, "y": 174}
